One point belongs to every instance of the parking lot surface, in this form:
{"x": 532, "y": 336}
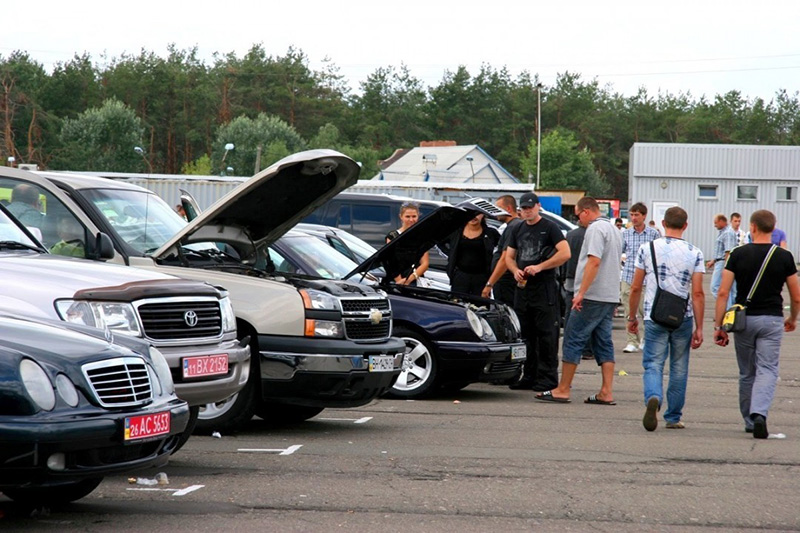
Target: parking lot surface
{"x": 484, "y": 458}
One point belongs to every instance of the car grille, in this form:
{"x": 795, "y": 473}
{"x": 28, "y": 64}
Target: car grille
{"x": 120, "y": 382}
{"x": 502, "y": 367}
{"x": 501, "y": 325}
{"x": 177, "y": 320}
{"x": 358, "y": 322}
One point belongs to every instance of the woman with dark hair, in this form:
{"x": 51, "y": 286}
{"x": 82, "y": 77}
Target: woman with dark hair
{"x": 409, "y": 214}
{"x": 469, "y": 259}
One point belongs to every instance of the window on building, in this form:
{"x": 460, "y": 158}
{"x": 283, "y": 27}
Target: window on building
{"x": 786, "y": 194}
{"x": 707, "y": 191}
{"x": 747, "y": 192}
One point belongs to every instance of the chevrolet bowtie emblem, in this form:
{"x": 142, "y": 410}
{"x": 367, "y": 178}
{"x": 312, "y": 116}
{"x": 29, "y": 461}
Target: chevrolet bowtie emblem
{"x": 375, "y": 316}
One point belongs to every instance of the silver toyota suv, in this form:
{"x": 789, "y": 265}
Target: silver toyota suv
{"x": 191, "y": 322}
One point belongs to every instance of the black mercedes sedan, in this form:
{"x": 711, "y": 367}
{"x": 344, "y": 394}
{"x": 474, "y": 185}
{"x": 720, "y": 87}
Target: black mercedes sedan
{"x": 451, "y": 339}
{"x": 78, "y": 404}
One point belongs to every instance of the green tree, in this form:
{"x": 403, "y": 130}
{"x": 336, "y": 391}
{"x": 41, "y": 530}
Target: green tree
{"x": 199, "y": 167}
{"x": 565, "y": 165}
{"x": 276, "y": 138}
{"x": 102, "y": 139}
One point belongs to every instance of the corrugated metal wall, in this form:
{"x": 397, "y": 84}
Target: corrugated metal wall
{"x": 673, "y": 173}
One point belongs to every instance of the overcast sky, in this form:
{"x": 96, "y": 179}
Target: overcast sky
{"x": 703, "y": 47}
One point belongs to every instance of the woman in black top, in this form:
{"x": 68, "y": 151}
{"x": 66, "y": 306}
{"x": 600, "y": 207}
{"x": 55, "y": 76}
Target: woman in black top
{"x": 409, "y": 214}
{"x": 470, "y": 256}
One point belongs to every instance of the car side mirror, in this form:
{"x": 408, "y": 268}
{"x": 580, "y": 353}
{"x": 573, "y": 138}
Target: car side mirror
{"x": 102, "y": 249}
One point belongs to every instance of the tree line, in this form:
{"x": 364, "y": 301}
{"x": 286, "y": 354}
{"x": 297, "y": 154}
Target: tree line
{"x": 183, "y": 112}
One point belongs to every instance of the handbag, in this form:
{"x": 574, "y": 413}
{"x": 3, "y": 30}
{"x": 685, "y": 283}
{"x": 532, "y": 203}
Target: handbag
{"x": 735, "y": 318}
{"x": 668, "y": 309}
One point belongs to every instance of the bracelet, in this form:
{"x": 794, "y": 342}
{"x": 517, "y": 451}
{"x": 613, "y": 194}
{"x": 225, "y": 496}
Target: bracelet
{"x": 631, "y": 319}
{"x": 717, "y": 328}
{"x": 489, "y": 285}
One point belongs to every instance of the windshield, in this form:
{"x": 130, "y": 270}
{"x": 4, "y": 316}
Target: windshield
{"x": 360, "y": 248}
{"x": 140, "y": 218}
{"x": 319, "y": 259}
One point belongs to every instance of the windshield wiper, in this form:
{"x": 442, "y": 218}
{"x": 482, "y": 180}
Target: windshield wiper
{"x": 15, "y": 245}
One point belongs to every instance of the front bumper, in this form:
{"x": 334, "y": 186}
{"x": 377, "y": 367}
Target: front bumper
{"x": 318, "y": 372}
{"x": 204, "y": 390}
{"x": 91, "y": 440}
{"x": 479, "y": 361}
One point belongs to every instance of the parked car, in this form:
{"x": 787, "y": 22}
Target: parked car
{"x": 358, "y": 251}
{"x": 451, "y": 339}
{"x": 316, "y": 343}
{"x": 191, "y": 322}
{"x": 78, "y": 404}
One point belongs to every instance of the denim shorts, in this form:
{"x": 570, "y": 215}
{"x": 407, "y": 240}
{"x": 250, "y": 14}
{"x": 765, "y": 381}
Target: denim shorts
{"x": 594, "y": 321}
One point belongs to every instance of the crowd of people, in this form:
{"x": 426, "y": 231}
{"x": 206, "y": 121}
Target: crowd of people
{"x": 604, "y": 264}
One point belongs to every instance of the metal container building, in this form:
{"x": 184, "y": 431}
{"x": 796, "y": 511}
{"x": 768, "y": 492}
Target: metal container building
{"x": 706, "y": 179}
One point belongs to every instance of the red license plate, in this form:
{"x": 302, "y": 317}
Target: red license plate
{"x": 142, "y": 427}
{"x": 205, "y": 365}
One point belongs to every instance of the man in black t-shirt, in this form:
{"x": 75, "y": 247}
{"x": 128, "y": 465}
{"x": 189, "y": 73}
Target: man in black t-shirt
{"x": 535, "y": 249}
{"x": 758, "y": 345}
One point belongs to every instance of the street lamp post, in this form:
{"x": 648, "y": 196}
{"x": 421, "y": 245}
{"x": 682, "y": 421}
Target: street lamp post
{"x": 139, "y": 150}
{"x": 538, "y": 132}
{"x": 469, "y": 158}
{"x": 225, "y": 171}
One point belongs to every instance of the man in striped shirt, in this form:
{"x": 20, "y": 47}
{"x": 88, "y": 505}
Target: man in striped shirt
{"x": 632, "y": 238}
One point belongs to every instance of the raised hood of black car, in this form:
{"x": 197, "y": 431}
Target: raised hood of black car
{"x": 266, "y": 206}
{"x": 406, "y": 250}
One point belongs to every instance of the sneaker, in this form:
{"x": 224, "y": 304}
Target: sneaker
{"x": 641, "y": 345}
{"x": 675, "y": 425}
{"x": 630, "y": 348}
{"x": 759, "y": 426}
{"x": 650, "y": 419}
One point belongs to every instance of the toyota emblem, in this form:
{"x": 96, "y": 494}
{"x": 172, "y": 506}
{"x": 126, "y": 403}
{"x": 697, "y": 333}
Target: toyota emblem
{"x": 190, "y": 317}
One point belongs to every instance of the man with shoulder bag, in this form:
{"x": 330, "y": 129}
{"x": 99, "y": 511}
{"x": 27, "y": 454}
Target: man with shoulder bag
{"x": 760, "y": 271}
{"x": 673, "y": 269}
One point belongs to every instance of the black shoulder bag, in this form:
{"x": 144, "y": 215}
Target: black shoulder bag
{"x": 735, "y": 318}
{"x": 668, "y": 310}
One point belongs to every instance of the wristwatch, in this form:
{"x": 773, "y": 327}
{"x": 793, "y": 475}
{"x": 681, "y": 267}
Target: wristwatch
{"x": 717, "y": 328}
{"x": 632, "y": 319}
{"x": 489, "y": 285}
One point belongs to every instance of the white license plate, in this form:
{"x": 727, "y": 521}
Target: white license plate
{"x": 381, "y": 363}
{"x": 205, "y": 365}
{"x": 518, "y": 352}
{"x": 142, "y": 427}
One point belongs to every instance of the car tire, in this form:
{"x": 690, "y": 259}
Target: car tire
{"x": 193, "y": 414}
{"x": 282, "y": 414}
{"x": 419, "y": 375}
{"x": 60, "y": 494}
{"x": 232, "y": 413}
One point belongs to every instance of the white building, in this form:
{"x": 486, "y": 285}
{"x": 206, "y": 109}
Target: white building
{"x": 706, "y": 179}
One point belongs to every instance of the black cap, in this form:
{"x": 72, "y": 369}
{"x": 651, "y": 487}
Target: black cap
{"x": 529, "y": 199}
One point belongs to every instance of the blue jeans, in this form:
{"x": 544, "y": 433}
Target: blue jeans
{"x": 716, "y": 281}
{"x": 592, "y": 324}
{"x": 659, "y": 342}
{"x": 758, "y": 349}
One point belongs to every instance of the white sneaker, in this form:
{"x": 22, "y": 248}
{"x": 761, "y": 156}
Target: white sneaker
{"x": 630, "y": 348}
{"x": 641, "y": 345}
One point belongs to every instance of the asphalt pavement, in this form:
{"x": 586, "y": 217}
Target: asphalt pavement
{"x": 482, "y": 459}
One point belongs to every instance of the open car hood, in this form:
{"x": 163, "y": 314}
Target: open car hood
{"x": 263, "y": 208}
{"x": 406, "y": 250}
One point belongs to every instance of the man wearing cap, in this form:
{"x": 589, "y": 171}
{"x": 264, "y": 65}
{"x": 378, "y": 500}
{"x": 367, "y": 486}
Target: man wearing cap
{"x": 535, "y": 249}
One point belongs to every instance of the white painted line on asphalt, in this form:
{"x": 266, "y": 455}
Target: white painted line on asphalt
{"x": 187, "y": 490}
{"x": 175, "y": 492}
{"x": 353, "y": 420}
{"x": 280, "y": 451}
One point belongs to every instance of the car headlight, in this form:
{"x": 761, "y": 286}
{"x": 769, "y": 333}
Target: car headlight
{"x": 319, "y": 300}
{"x": 37, "y": 384}
{"x": 118, "y": 317}
{"x": 512, "y": 315}
{"x": 324, "y": 328}
{"x": 66, "y": 389}
{"x": 475, "y": 323}
{"x": 162, "y": 370}
{"x": 228, "y": 316}
{"x": 488, "y": 332}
